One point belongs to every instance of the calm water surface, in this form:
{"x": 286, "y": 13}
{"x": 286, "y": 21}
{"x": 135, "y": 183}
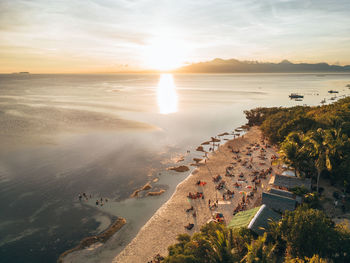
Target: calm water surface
{"x": 107, "y": 135}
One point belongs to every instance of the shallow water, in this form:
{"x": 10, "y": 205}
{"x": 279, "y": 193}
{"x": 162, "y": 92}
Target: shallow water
{"x": 107, "y": 135}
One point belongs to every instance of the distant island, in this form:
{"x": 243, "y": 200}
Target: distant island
{"x": 236, "y": 66}
{"x": 22, "y": 72}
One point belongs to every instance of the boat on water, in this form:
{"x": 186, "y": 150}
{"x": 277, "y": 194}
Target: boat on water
{"x": 323, "y": 101}
{"x": 298, "y": 99}
{"x": 296, "y": 96}
{"x": 333, "y": 98}
{"x": 333, "y": 91}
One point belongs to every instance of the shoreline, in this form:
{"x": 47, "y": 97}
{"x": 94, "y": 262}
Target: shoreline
{"x": 171, "y": 217}
{"x": 91, "y": 240}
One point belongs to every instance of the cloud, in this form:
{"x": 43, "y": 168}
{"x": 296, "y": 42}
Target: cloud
{"x": 106, "y": 30}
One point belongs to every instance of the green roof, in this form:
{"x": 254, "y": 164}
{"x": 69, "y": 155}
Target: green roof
{"x": 242, "y": 219}
{"x": 262, "y": 221}
{"x": 256, "y": 219}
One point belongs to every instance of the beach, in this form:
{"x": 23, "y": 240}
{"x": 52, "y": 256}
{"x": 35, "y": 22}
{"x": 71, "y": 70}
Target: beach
{"x": 169, "y": 221}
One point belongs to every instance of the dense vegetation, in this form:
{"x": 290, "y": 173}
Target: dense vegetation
{"x": 304, "y": 235}
{"x": 313, "y": 140}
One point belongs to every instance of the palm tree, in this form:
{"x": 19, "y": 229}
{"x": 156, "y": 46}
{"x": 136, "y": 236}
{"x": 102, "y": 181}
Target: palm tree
{"x": 319, "y": 150}
{"x": 222, "y": 246}
{"x": 292, "y": 150}
{"x": 260, "y": 251}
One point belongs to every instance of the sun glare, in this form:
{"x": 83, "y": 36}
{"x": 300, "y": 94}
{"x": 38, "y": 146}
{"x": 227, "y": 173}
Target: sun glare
{"x": 165, "y": 54}
{"x": 166, "y": 94}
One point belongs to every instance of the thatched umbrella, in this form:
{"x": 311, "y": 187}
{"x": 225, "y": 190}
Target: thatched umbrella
{"x": 197, "y": 160}
{"x": 200, "y": 149}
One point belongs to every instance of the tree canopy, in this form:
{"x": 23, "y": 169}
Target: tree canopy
{"x": 303, "y": 235}
{"x": 313, "y": 140}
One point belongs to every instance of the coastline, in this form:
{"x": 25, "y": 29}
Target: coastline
{"x": 91, "y": 240}
{"x": 169, "y": 220}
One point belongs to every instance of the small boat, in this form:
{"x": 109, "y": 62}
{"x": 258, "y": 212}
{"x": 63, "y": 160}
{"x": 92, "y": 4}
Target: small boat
{"x": 323, "y": 101}
{"x": 295, "y": 96}
{"x": 333, "y": 91}
{"x": 298, "y": 99}
{"x": 333, "y": 98}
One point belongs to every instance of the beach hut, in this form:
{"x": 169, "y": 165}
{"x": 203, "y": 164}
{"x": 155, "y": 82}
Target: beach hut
{"x": 286, "y": 194}
{"x": 200, "y": 149}
{"x": 278, "y": 202}
{"x": 288, "y": 182}
{"x": 256, "y": 219}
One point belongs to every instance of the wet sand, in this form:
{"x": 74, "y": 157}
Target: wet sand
{"x": 169, "y": 221}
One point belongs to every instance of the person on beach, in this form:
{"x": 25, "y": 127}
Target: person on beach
{"x": 80, "y": 197}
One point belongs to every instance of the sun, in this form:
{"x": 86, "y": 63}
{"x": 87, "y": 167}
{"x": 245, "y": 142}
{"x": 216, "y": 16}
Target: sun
{"x": 165, "y": 53}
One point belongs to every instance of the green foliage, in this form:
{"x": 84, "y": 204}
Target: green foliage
{"x": 312, "y": 200}
{"x": 300, "y": 191}
{"x": 261, "y": 251}
{"x": 307, "y": 232}
{"x": 312, "y": 139}
{"x": 213, "y": 244}
{"x": 314, "y": 259}
{"x": 304, "y": 235}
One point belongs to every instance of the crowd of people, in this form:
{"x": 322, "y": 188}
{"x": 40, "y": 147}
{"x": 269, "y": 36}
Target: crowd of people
{"x": 247, "y": 161}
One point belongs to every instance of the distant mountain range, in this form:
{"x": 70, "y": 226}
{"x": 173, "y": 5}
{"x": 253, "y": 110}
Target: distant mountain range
{"x": 235, "y": 66}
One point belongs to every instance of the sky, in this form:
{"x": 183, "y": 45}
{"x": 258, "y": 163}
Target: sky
{"x": 81, "y": 36}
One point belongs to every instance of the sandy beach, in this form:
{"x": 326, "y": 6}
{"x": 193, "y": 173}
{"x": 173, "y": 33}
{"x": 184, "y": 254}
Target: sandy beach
{"x": 169, "y": 221}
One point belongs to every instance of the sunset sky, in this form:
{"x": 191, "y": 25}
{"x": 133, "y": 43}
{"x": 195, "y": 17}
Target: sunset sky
{"x": 113, "y": 35}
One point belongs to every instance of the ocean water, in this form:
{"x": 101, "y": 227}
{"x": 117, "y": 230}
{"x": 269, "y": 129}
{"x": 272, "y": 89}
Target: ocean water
{"x": 107, "y": 135}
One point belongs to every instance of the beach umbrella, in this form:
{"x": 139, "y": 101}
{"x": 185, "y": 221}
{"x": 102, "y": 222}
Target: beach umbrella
{"x": 242, "y": 192}
{"x": 200, "y": 149}
{"x": 197, "y": 160}
{"x": 205, "y": 143}
{"x": 223, "y": 134}
{"x": 249, "y": 186}
{"x": 215, "y": 140}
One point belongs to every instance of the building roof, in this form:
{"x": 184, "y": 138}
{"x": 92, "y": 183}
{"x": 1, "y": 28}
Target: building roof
{"x": 242, "y": 219}
{"x": 278, "y": 202}
{"x": 261, "y": 221}
{"x": 290, "y": 181}
{"x": 286, "y": 194}
{"x": 282, "y": 193}
{"x": 256, "y": 219}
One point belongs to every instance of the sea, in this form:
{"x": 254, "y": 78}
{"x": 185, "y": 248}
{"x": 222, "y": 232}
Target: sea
{"x": 102, "y": 136}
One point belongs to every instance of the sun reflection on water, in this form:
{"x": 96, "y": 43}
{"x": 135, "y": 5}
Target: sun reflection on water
{"x": 166, "y": 94}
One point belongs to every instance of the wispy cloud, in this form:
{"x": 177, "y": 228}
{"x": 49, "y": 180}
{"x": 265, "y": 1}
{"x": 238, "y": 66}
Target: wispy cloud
{"x": 110, "y": 32}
